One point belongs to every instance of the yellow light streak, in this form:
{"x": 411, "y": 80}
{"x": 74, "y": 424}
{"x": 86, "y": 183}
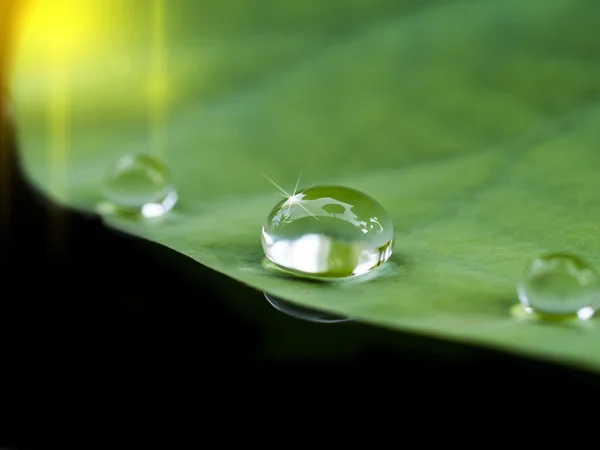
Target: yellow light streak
{"x": 58, "y": 124}
{"x": 5, "y": 170}
{"x": 60, "y": 30}
{"x": 57, "y": 35}
{"x": 158, "y": 82}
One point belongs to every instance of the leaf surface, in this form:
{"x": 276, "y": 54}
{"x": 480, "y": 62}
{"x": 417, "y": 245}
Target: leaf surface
{"x": 475, "y": 123}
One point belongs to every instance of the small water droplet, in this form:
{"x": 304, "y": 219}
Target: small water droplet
{"x": 300, "y": 312}
{"x": 328, "y": 232}
{"x": 140, "y": 184}
{"x": 560, "y": 285}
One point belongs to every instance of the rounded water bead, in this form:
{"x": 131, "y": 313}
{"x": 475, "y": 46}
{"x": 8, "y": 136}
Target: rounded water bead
{"x": 140, "y": 184}
{"x": 560, "y": 285}
{"x": 300, "y": 312}
{"x": 328, "y": 232}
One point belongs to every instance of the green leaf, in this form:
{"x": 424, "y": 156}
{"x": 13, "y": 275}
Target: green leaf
{"x": 475, "y": 123}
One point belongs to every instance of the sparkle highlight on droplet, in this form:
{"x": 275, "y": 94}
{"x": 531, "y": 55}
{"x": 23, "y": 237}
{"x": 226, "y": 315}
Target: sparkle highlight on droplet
{"x": 328, "y": 232}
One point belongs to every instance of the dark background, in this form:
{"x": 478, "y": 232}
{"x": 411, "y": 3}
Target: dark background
{"x": 91, "y": 318}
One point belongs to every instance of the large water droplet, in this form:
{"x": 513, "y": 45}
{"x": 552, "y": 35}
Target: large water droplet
{"x": 140, "y": 184}
{"x": 560, "y": 285}
{"x": 300, "y": 312}
{"x": 328, "y": 232}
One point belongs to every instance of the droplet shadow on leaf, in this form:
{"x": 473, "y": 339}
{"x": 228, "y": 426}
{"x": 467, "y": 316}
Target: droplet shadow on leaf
{"x": 525, "y": 314}
{"x": 393, "y": 267}
{"x": 303, "y": 313}
{"x": 107, "y": 209}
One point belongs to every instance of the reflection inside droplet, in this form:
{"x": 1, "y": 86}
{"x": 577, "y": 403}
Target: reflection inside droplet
{"x": 138, "y": 185}
{"x": 300, "y": 312}
{"x": 560, "y": 285}
{"x": 328, "y": 232}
